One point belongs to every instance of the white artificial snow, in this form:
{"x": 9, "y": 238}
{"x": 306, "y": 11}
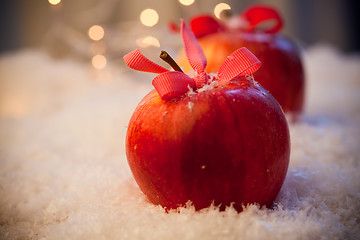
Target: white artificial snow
{"x": 209, "y": 86}
{"x": 64, "y": 175}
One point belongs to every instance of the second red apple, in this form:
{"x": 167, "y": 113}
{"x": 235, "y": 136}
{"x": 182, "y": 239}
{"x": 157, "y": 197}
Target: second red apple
{"x": 282, "y": 72}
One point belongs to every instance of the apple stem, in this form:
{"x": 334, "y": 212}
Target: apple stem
{"x": 167, "y": 58}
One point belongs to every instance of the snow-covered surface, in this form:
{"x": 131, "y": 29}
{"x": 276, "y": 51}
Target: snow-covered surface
{"x": 64, "y": 175}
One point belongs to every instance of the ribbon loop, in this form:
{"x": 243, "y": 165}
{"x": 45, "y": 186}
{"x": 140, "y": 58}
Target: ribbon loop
{"x": 172, "y": 84}
{"x": 240, "y": 63}
{"x": 258, "y": 14}
{"x": 137, "y": 61}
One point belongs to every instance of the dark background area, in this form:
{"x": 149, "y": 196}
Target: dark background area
{"x": 23, "y": 23}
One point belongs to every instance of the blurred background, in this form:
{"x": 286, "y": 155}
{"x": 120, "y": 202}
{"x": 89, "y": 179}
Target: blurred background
{"x": 64, "y": 26}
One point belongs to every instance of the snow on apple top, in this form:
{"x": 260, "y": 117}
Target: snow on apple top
{"x": 170, "y": 84}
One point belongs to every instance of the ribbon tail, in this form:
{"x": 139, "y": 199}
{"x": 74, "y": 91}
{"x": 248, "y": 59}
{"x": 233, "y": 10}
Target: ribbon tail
{"x": 240, "y": 63}
{"x": 194, "y": 53}
{"x": 137, "y": 61}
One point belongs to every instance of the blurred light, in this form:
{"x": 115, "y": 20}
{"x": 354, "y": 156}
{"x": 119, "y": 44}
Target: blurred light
{"x": 149, "y": 17}
{"x": 54, "y": 2}
{"x": 15, "y": 105}
{"x": 99, "y": 61}
{"x": 147, "y": 42}
{"x": 219, "y": 8}
{"x": 186, "y": 2}
{"x": 96, "y": 32}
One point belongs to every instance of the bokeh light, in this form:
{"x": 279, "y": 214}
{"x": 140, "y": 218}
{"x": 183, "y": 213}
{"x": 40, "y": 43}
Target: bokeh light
{"x": 96, "y": 32}
{"x": 54, "y": 2}
{"x": 149, "y": 17}
{"x": 186, "y": 2}
{"x": 99, "y": 61}
{"x": 221, "y": 7}
{"x": 147, "y": 42}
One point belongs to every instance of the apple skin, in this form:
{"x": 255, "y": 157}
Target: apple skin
{"x": 228, "y": 145}
{"x": 281, "y": 71}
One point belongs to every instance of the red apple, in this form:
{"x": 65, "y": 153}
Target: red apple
{"x": 226, "y": 141}
{"x": 282, "y": 71}
{"x": 225, "y": 145}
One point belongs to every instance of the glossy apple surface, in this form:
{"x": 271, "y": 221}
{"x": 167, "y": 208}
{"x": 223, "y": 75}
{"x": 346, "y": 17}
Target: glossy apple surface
{"x": 229, "y": 144}
{"x": 281, "y": 72}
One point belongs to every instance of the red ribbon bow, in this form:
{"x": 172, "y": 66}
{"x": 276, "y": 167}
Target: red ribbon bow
{"x": 170, "y": 84}
{"x": 248, "y": 21}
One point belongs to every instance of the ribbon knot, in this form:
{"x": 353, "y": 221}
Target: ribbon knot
{"x": 170, "y": 84}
